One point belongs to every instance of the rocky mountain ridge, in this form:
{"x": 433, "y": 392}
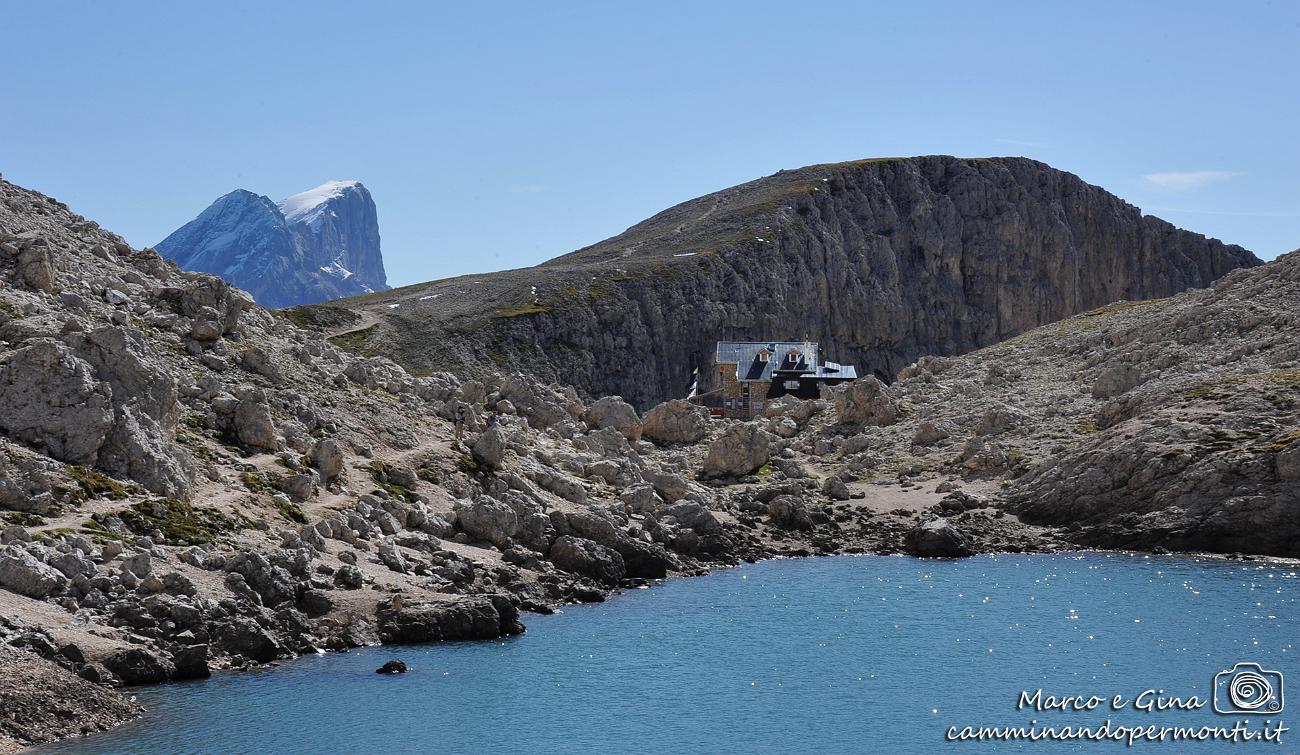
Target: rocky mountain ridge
{"x": 315, "y": 246}
{"x": 881, "y": 261}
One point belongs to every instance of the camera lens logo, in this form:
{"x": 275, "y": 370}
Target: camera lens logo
{"x": 1248, "y": 688}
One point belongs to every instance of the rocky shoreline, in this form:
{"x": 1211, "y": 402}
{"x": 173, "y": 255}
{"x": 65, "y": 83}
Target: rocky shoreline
{"x": 53, "y": 689}
{"x": 45, "y": 701}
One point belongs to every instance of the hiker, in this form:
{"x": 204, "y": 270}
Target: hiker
{"x": 460, "y": 423}
{"x": 492, "y": 420}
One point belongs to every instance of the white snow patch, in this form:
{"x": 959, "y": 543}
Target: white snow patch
{"x": 686, "y": 254}
{"x": 394, "y": 306}
{"x": 304, "y": 207}
{"x": 430, "y": 296}
{"x": 337, "y": 270}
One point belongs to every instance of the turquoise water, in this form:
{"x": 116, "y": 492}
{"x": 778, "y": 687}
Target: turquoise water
{"x": 843, "y": 654}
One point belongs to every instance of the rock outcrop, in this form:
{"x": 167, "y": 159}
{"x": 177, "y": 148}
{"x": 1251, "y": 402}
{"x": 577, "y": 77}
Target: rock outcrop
{"x": 937, "y": 539}
{"x": 1199, "y": 451}
{"x": 881, "y": 261}
{"x": 315, "y": 246}
{"x": 676, "y": 422}
{"x": 739, "y": 451}
{"x": 865, "y": 402}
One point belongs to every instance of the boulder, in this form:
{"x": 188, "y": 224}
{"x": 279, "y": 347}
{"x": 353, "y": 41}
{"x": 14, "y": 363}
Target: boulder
{"x": 191, "y": 662}
{"x": 299, "y": 487}
{"x": 490, "y": 448}
{"x": 253, "y": 425}
{"x": 791, "y": 407}
{"x": 693, "y": 516}
{"x": 740, "y": 451}
{"x": 140, "y": 666}
{"x": 273, "y": 583}
{"x": 36, "y": 266}
{"x": 563, "y": 485}
{"x": 349, "y": 577}
{"x": 676, "y": 422}
{"x": 247, "y": 638}
{"x": 140, "y": 564}
{"x": 391, "y": 556}
{"x": 644, "y": 560}
{"x": 588, "y": 558}
{"x": 141, "y": 445}
{"x": 392, "y": 667}
{"x": 866, "y": 401}
{"x": 789, "y": 513}
{"x": 478, "y": 617}
{"x": 960, "y": 500}
{"x": 641, "y": 499}
{"x": 96, "y": 673}
{"x": 603, "y": 442}
{"x": 614, "y": 412}
{"x": 834, "y": 488}
{"x": 543, "y": 406}
{"x": 205, "y": 330}
{"x": 671, "y": 487}
{"x": 315, "y": 602}
{"x": 937, "y": 538}
{"x": 327, "y": 458}
{"x": 488, "y": 519}
{"x": 22, "y": 573}
{"x": 72, "y": 564}
{"x": 51, "y": 399}
{"x": 783, "y": 427}
{"x": 588, "y": 524}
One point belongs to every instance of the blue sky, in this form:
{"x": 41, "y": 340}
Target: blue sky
{"x": 497, "y": 135}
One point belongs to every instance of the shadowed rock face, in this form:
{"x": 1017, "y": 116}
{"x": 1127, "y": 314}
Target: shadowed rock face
{"x": 881, "y": 261}
{"x": 315, "y": 246}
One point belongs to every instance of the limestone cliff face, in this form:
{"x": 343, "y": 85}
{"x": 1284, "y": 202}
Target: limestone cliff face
{"x": 338, "y": 225}
{"x": 881, "y": 261}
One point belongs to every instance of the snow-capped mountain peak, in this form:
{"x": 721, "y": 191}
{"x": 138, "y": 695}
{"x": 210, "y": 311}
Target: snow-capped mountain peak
{"x": 314, "y": 246}
{"x": 306, "y": 206}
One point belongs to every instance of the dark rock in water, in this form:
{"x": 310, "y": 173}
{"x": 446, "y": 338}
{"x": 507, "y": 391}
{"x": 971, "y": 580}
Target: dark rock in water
{"x": 140, "y": 666}
{"x": 392, "y": 667}
{"x": 937, "y": 539}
